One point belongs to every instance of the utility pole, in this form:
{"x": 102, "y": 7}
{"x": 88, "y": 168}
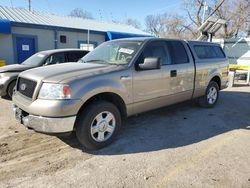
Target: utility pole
{"x": 205, "y": 8}
{"x": 29, "y": 5}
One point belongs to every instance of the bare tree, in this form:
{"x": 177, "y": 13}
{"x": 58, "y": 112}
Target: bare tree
{"x": 186, "y": 25}
{"x": 168, "y": 25}
{"x": 133, "y": 22}
{"x": 234, "y": 12}
{"x": 80, "y": 13}
{"x": 154, "y": 24}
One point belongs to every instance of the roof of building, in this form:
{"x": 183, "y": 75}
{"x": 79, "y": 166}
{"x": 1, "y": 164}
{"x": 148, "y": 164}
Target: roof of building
{"x": 21, "y": 15}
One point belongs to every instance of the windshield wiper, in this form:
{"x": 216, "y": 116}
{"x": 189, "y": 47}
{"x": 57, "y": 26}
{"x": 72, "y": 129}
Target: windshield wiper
{"x": 97, "y": 60}
{"x": 81, "y": 61}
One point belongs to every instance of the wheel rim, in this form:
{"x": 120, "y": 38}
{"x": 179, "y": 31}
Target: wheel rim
{"x": 212, "y": 95}
{"x": 103, "y": 126}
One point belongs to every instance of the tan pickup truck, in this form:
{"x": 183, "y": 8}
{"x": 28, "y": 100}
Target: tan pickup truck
{"x": 118, "y": 79}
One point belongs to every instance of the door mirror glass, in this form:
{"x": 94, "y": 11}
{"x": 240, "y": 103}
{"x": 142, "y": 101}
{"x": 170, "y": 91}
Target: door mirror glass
{"x": 150, "y": 63}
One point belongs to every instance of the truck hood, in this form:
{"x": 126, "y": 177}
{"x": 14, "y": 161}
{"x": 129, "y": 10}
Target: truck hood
{"x": 15, "y": 68}
{"x": 66, "y": 71}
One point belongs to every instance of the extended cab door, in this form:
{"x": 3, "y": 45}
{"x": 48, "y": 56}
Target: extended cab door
{"x": 179, "y": 74}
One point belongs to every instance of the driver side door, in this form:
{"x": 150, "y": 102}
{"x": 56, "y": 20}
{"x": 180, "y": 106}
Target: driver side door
{"x": 149, "y": 87}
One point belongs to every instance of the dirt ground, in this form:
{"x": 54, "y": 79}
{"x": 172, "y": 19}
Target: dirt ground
{"x": 178, "y": 146}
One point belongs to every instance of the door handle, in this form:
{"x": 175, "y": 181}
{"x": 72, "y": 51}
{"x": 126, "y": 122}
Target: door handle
{"x": 173, "y": 73}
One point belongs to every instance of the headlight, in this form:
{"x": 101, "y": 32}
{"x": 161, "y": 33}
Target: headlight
{"x": 4, "y": 79}
{"x": 54, "y": 91}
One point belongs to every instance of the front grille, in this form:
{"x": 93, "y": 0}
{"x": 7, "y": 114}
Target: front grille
{"x": 26, "y": 87}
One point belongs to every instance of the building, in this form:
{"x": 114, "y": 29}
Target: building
{"x": 23, "y": 33}
{"x": 236, "y": 49}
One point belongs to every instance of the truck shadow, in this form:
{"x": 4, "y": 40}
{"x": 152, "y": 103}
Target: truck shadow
{"x": 177, "y": 126}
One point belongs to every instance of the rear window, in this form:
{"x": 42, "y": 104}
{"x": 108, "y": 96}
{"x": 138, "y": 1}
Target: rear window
{"x": 178, "y": 52}
{"x": 208, "y": 52}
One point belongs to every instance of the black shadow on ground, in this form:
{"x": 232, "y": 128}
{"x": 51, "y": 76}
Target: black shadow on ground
{"x": 178, "y": 125}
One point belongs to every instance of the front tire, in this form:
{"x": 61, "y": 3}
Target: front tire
{"x": 211, "y": 97}
{"x": 98, "y": 124}
{"x": 10, "y": 89}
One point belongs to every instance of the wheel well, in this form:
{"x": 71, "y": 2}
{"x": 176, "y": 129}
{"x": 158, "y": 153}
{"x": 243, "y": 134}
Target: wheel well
{"x": 110, "y": 97}
{"x": 12, "y": 81}
{"x": 217, "y": 80}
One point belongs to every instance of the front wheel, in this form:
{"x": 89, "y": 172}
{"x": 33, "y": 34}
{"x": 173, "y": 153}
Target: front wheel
{"x": 98, "y": 124}
{"x": 211, "y": 97}
{"x": 10, "y": 89}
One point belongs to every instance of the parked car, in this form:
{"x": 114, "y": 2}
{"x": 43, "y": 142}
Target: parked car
{"x": 9, "y": 73}
{"x": 118, "y": 79}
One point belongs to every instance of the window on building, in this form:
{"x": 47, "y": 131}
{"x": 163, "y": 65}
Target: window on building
{"x": 63, "y": 39}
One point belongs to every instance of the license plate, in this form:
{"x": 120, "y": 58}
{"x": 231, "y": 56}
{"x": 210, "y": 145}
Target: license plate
{"x": 18, "y": 115}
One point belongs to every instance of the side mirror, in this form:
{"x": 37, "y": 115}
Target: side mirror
{"x": 150, "y": 63}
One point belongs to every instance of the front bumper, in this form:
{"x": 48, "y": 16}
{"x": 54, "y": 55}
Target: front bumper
{"x": 45, "y": 124}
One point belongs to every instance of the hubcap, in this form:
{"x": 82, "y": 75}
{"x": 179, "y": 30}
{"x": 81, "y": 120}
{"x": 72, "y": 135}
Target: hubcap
{"x": 103, "y": 126}
{"x": 212, "y": 95}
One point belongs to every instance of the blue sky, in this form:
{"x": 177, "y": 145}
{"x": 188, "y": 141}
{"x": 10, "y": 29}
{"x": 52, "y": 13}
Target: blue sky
{"x": 106, "y": 10}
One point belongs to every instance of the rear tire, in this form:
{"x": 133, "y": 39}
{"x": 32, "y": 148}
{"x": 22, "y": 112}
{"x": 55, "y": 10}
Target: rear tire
{"x": 98, "y": 124}
{"x": 211, "y": 97}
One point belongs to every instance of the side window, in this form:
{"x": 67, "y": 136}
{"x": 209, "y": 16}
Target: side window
{"x": 75, "y": 56}
{"x": 156, "y": 49}
{"x": 55, "y": 58}
{"x": 219, "y": 52}
{"x": 178, "y": 52}
{"x": 208, "y": 52}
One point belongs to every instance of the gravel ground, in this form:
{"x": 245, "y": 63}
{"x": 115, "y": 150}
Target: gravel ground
{"x": 178, "y": 146}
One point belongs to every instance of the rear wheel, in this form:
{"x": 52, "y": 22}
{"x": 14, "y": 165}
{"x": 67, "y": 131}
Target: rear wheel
{"x": 98, "y": 124}
{"x": 211, "y": 97}
{"x": 10, "y": 89}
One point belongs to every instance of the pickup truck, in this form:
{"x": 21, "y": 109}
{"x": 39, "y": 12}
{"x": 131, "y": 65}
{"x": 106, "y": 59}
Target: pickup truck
{"x": 118, "y": 79}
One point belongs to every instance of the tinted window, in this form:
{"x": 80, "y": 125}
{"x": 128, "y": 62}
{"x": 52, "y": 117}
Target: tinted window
{"x": 178, "y": 52}
{"x": 219, "y": 52}
{"x": 55, "y": 58}
{"x": 75, "y": 56}
{"x": 156, "y": 49}
{"x": 208, "y": 52}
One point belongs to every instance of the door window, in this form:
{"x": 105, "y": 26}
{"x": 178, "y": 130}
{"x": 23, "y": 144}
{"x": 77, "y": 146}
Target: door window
{"x": 75, "y": 56}
{"x": 55, "y": 59}
{"x": 156, "y": 49}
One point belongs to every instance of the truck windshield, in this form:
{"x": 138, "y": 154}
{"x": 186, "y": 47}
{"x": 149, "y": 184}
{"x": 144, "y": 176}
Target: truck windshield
{"x": 118, "y": 52}
{"x": 35, "y": 60}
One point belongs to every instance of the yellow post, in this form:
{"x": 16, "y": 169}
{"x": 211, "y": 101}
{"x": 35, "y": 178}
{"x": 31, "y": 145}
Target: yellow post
{"x": 2, "y": 63}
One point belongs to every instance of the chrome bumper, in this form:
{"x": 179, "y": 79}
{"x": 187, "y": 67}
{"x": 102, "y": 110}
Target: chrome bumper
{"x": 45, "y": 124}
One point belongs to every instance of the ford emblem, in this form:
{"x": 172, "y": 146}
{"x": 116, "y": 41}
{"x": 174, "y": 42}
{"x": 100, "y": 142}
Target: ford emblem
{"x": 23, "y": 87}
